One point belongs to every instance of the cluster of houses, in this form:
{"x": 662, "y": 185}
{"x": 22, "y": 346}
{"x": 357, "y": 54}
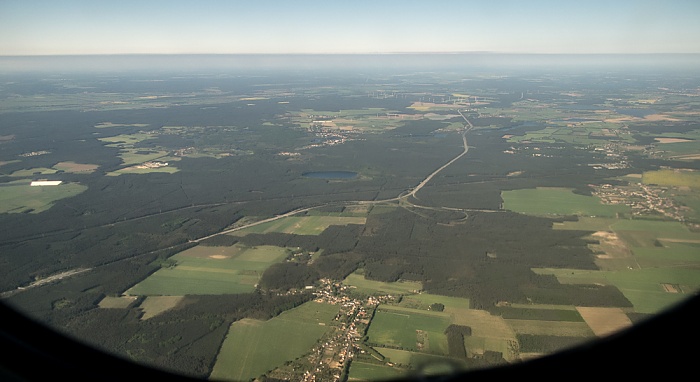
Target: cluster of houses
{"x": 642, "y": 198}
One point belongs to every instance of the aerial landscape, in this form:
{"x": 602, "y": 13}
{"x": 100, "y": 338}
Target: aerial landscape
{"x": 347, "y": 216}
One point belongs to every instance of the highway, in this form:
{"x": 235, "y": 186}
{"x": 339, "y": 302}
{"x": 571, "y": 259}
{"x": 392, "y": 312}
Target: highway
{"x": 467, "y": 127}
{"x": 412, "y": 193}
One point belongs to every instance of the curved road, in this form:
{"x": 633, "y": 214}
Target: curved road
{"x": 277, "y": 217}
{"x": 402, "y": 196}
{"x": 427, "y": 179}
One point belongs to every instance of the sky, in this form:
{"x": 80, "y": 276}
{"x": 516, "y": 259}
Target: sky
{"x": 72, "y": 27}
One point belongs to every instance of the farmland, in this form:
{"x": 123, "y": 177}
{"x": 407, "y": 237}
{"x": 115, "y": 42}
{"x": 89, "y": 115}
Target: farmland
{"x": 557, "y": 215}
{"x": 19, "y": 197}
{"x": 210, "y": 270}
{"x": 557, "y": 201}
{"x": 302, "y": 225}
{"x": 410, "y": 330}
{"x": 253, "y": 347}
{"x": 361, "y": 284}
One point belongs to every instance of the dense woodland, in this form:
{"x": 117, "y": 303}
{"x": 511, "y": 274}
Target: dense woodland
{"x": 124, "y": 227}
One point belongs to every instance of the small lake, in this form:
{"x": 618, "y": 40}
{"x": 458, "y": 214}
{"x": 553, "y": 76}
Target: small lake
{"x": 330, "y": 174}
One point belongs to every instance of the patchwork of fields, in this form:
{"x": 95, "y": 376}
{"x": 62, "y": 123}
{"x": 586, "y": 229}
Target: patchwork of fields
{"x": 211, "y": 270}
{"x": 253, "y": 347}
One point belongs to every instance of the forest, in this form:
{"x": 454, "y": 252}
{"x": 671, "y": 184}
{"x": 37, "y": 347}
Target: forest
{"x": 239, "y": 157}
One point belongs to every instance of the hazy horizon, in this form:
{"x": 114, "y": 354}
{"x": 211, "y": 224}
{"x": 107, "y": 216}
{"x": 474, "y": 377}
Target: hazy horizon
{"x": 364, "y": 27}
{"x": 381, "y": 61}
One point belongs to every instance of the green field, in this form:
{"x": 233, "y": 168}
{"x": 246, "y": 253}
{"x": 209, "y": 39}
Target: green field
{"x": 587, "y": 223}
{"x": 132, "y": 170}
{"x": 253, "y": 347}
{"x": 18, "y": 196}
{"x": 362, "y": 371}
{"x": 423, "y": 300}
{"x": 418, "y": 361}
{"x": 643, "y": 287}
{"x": 211, "y": 270}
{"x": 551, "y": 328}
{"x": 522, "y": 313}
{"x": 557, "y": 201}
{"x": 370, "y": 286}
{"x": 410, "y": 329}
{"x": 675, "y": 178}
{"x": 33, "y": 172}
{"x": 110, "y": 302}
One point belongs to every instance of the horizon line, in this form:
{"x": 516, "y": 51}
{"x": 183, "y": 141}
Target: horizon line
{"x": 355, "y": 54}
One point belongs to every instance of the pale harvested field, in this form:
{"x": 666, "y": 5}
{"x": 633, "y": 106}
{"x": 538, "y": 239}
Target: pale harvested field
{"x": 551, "y": 328}
{"x": 155, "y": 305}
{"x": 672, "y": 140}
{"x": 117, "y": 302}
{"x": 204, "y": 252}
{"x": 483, "y": 324}
{"x": 604, "y": 321}
{"x": 670, "y": 288}
{"x": 650, "y": 117}
{"x": 687, "y": 157}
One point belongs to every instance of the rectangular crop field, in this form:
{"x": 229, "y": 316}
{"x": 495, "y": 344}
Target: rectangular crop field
{"x": 253, "y": 347}
{"x": 539, "y": 314}
{"x": 371, "y": 286}
{"x": 551, "y": 328}
{"x": 363, "y": 371}
{"x": 409, "y": 329}
{"x": 18, "y": 196}
{"x": 211, "y": 270}
{"x": 557, "y": 201}
{"x": 644, "y": 288}
{"x": 302, "y": 225}
{"x": 672, "y": 178}
{"x": 423, "y": 301}
{"x": 155, "y": 305}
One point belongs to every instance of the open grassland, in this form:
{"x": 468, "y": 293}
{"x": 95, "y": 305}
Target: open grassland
{"x": 106, "y": 125}
{"x": 349, "y": 211}
{"x": 427, "y": 364}
{"x": 605, "y": 321}
{"x": 122, "y": 302}
{"x": 489, "y": 332}
{"x": 587, "y": 223}
{"x": 409, "y": 329}
{"x": 369, "y": 119}
{"x": 134, "y": 156}
{"x": 253, "y": 347}
{"x": 423, "y": 301}
{"x": 370, "y": 286}
{"x": 137, "y": 170}
{"x": 551, "y": 328}
{"x": 302, "y": 225}
{"x": 126, "y": 140}
{"x": 557, "y": 201}
{"x": 476, "y": 346}
{"x": 18, "y": 196}
{"x": 363, "y": 371}
{"x": 33, "y": 172}
{"x": 211, "y": 270}
{"x": 677, "y": 178}
{"x": 155, "y": 305}
{"x": 672, "y": 254}
{"x": 644, "y": 288}
{"x": 76, "y": 168}
{"x": 529, "y": 313}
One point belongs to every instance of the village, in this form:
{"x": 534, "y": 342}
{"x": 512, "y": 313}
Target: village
{"x": 330, "y": 358}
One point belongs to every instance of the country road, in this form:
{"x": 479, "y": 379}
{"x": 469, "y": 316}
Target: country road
{"x": 467, "y": 127}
